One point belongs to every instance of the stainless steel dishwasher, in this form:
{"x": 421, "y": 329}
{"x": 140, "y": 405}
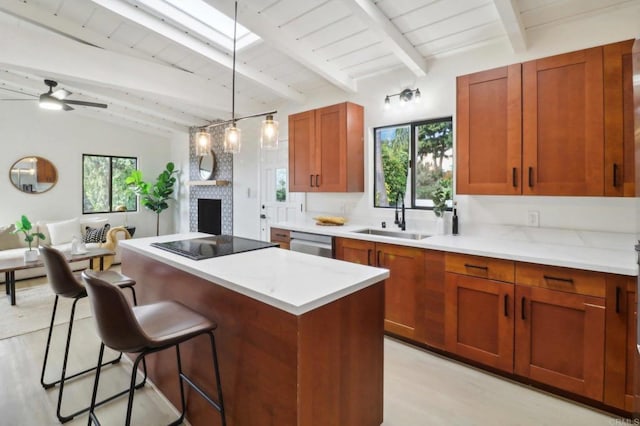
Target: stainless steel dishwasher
{"x": 305, "y": 242}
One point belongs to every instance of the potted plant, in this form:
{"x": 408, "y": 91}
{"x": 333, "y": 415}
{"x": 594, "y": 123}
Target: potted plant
{"x": 154, "y": 197}
{"x": 440, "y": 195}
{"x": 24, "y": 226}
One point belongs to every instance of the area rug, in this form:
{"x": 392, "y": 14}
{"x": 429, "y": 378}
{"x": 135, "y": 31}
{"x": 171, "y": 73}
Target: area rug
{"x": 32, "y": 311}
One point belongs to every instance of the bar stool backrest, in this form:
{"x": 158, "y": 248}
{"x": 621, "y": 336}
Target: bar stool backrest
{"x": 59, "y": 274}
{"x": 117, "y": 325}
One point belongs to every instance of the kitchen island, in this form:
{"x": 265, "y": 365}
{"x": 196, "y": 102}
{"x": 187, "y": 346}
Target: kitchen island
{"x": 300, "y": 338}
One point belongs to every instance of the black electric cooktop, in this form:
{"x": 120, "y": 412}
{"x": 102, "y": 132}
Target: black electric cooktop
{"x": 214, "y": 246}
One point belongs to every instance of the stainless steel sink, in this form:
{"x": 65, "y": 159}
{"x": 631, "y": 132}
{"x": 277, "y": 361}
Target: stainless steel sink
{"x": 393, "y": 234}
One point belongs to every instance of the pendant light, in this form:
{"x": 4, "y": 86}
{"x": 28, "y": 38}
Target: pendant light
{"x": 233, "y": 135}
{"x": 269, "y": 133}
{"x": 203, "y": 143}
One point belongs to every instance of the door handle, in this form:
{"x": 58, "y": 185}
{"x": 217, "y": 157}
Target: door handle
{"x": 263, "y": 216}
{"x": 522, "y": 306}
{"x": 562, "y": 280}
{"x": 369, "y": 251}
{"x": 514, "y": 177}
{"x": 506, "y": 305}
{"x": 318, "y": 181}
{"x": 617, "y": 300}
{"x": 530, "y": 176}
{"x": 311, "y": 181}
{"x": 468, "y": 265}
{"x": 378, "y": 258}
{"x": 615, "y": 175}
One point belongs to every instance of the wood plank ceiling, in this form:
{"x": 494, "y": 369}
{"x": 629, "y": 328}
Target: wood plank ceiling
{"x": 160, "y": 74}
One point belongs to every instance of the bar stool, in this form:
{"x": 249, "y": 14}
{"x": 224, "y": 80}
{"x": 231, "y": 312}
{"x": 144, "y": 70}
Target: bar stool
{"x": 143, "y": 330}
{"x": 65, "y": 284}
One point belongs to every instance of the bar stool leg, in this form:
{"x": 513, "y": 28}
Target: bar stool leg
{"x": 92, "y": 416}
{"x": 216, "y": 370}
{"x": 46, "y": 351}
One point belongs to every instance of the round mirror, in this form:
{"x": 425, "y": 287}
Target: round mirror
{"x": 207, "y": 165}
{"x": 33, "y": 175}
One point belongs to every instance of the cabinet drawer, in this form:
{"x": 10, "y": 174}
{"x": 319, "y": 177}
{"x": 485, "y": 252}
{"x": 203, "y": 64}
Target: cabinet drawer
{"x": 280, "y": 235}
{"x": 478, "y": 266}
{"x": 561, "y": 279}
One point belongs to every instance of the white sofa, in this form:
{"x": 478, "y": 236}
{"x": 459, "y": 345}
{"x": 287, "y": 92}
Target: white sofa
{"x": 58, "y": 234}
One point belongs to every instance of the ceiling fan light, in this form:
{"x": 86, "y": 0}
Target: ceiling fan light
{"x": 232, "y": 139}
{"x": 203, "y": 143}
{"x": 49, "y": 102}
{"x": 269, "y": 133}
{"x": 417, "y": 96}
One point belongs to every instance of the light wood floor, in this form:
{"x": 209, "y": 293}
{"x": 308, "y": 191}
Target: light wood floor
{"x": 420, "y": 389}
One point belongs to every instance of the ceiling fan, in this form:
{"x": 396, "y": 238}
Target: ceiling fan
{"x": 55, "y": 100}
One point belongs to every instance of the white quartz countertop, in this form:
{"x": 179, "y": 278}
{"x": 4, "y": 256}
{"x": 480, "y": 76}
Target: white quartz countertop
{"x": 294, "y": 282}
{"x": 588, "y": 250}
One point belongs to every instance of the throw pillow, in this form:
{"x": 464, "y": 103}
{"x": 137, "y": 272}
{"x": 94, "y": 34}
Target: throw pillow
{"x": 96, "y": 235}
{"x": 8, "y": 240}
{"x": 63, "y": 232}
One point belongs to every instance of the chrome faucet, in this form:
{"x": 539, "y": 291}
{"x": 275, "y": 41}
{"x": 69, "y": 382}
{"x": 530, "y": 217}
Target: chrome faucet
{"x": 401, "y": 223}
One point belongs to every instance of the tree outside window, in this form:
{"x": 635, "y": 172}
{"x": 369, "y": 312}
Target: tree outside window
{"x": 103, "y": 184}
{"x": 414, "y": 158}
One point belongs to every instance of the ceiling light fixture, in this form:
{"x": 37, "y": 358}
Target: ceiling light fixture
{"x": 269, "y": 133}
{"x": 203, "y": 142}
{"x": 406, "y": 96}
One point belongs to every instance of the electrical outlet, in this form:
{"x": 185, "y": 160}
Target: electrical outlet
{"x": 533, "y": 218}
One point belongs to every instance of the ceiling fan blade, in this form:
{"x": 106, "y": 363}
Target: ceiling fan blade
{"x": 66, "y": 107}
{"x": 83, "y": 103}
{"x": 61, "y": 94}
{"x": 18, "y": 91}
{"x": 30, "y": 100}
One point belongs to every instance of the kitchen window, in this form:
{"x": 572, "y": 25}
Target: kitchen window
{"x": 103, "y": 184}
{"x": 412, "y": 160}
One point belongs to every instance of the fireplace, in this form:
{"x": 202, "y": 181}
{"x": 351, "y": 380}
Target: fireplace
{"x": 210, "y": 216}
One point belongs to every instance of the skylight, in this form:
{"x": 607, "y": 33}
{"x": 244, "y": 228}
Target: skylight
{"x": 201, "y": 18}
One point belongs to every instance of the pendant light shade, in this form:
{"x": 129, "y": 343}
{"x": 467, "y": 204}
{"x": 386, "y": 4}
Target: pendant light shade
{"x": 269, "y": 133}
{"x": 232, "y": 139}
{"x": 203, "y": 143}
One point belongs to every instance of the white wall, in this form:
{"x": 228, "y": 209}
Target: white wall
{"x": 438, "y": 100}
{"x": 62, "y": 138}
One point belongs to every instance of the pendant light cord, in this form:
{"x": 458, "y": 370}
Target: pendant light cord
{"x": 233, "y": 79}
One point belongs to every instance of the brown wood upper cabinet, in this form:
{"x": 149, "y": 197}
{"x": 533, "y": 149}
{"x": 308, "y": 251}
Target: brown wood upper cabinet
{"x": 561, "y": 125}
{"x": 489, "y": 155}
{"x": 326, "y": 149}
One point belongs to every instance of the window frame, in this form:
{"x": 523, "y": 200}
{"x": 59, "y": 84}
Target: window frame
{"x": 411, "y": 176}
{"x": 110, "y": 157}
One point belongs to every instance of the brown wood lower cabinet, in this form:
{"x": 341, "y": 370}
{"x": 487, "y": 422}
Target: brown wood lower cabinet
{"x": 569, "y": 329}
{"x": 560, "y": 339}
{"x": 479, "y": 320}
{"x": 281, "y": 236}
{"x": 403, "y": 296}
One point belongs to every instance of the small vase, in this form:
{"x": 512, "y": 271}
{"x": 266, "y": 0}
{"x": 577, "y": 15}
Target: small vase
{"x": 441, "y": 226}
{"x": 31, "y": 255}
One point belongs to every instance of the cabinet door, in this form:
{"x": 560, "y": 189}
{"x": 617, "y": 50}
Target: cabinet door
{"x": 479, "y": 320}
{"x": 560, "y": 339}
{"x": 619, "y": 168}
{"x": 302, "y": 152}
{"x": 402, "y": 288}
{"x": 489, "y": 132}
{"x": 355, "y": 251}
{"x": 621, "y": 355}
{"x": 331, "y": 148}
{"x": 431, "y": 330}
{"x": 563, "y": 124}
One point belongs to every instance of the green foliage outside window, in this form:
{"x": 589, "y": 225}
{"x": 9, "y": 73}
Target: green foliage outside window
{"x": 425, "y": 146}
{"x": 103, "y": 183}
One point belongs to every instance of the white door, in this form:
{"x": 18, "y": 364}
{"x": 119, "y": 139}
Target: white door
{"x": 277, "y": 204}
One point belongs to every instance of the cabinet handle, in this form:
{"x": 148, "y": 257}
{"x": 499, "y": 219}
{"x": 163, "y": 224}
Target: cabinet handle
{"x": 281, "y": 235}
{"x": 369, "y": 257}
{"x": 311, "y": 181}
{"x": 506, "y": 305}
{"x": 318, "y": 181}
{"x": 379, "y": 263}
{"x": 617, "y": 300}
{"x": 468, "y": 265}
{"x": 522, "y": 305}
{"x": 530, "y": 176}
{"x": 514, "y": 177}
{"x": 562, "y": 280}
{"x": 615, "y": 175}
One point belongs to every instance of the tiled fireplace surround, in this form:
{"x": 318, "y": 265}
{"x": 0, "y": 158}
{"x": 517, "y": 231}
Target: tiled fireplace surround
{"x": 223, "y": 171}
